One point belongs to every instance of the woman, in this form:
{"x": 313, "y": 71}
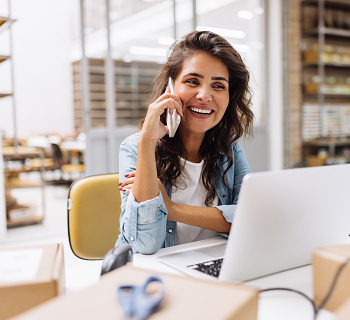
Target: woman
{"x": 186, "y": 188}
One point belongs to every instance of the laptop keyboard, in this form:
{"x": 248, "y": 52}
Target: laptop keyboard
{"x": 211, "y": 267}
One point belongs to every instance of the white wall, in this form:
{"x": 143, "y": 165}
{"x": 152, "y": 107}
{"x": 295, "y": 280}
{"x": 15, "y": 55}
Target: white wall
{"x": 274, "y": 90}
{"x": 43, "y": 79}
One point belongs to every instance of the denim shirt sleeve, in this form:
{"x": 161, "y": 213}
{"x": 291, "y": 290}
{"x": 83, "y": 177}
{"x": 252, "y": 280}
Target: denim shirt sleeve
{"x": 234, "y": 178}
{"x": 142, "y": 225}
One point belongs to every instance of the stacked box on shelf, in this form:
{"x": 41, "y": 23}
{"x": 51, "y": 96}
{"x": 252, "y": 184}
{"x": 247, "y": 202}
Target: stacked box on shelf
{"x": 345, "y": 121}
{"x": 311, "y": 122}
{"x": 331, "y": 121}
{"x": 132, "y": 83}
{"x": 335, "y": 120}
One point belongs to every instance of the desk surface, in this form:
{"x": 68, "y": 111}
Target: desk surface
{"x": 274, "y": 305}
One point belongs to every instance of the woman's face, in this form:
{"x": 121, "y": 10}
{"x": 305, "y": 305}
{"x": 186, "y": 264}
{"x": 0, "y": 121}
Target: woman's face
{"x": 203, "y": 87}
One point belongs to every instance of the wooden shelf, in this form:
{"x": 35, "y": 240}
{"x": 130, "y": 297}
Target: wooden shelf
{"x": 3, "y": 58}
{"x": 35, "y": 219}
{"x": 328, "y": 142}
{"x": 336, "y": 3}
{"x": 14, "y": 183}
{"x": 3, "y": 95}
{"x": 314, "y": 32}
{"x": 327, "y": 64}
{"x": 3, "y": 20}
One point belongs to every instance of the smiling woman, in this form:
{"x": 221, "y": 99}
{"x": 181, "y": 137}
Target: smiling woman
{"x": 182, "y": 189}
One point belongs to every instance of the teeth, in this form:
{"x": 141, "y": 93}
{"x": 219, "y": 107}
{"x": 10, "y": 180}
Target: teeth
{"x": 204, "y": 111}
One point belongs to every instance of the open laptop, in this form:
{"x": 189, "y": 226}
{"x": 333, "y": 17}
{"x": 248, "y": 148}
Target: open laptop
{"x": 280, "y": 219}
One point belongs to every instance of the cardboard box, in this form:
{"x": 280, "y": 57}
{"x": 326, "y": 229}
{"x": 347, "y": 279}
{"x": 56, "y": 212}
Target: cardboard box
{"x": 185, "y": 298}
{"x": 326, "y": 262}
{"x": 29, "y": 276}
{"x": 344, "y": 311}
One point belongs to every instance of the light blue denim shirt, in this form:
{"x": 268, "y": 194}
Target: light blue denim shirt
{"x": 145, "y": 226}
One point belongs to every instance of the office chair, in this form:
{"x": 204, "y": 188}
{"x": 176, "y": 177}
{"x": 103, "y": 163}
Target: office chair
{"x": 93, "y": 215}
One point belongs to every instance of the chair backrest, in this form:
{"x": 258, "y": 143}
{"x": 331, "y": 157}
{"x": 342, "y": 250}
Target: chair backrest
{"x": 93, "y": 215}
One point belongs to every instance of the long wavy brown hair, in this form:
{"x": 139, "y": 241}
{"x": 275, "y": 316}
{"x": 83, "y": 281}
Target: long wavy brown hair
{"x": 237, "y": 120}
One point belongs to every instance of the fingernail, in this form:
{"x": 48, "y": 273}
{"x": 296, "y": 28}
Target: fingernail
{"x": 123, "y": 189}
{"x": 120, "y": 183}
{"x": 127, "y": 175}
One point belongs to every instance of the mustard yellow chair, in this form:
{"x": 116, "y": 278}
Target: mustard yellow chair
{"x": 93, "y": 215}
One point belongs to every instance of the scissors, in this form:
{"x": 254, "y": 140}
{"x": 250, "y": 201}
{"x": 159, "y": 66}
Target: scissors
{"x": 137, "y": 304}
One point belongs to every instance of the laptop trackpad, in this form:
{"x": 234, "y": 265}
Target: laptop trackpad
{"x": 183, "y": 259}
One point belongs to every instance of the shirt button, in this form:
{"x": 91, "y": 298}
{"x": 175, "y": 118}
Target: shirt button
{"x": 224, "y": 196}
{"x": 132, "y": 238}
{"x": 170, "y": 230}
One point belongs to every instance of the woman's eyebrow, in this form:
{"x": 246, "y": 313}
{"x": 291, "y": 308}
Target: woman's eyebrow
{"x": 219, "y": 78}
{"x": 194, "y": 74}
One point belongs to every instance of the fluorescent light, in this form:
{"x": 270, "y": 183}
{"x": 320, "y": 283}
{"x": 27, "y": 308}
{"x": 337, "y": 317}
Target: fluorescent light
{"x": 147, "y": 51}
{"x": 245, "y": 15}
{"x": 229, "y": 33}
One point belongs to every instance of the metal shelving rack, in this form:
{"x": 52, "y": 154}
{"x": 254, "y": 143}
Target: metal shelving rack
{"x": 326, "y": 24}
{"x": 17, "y": 153}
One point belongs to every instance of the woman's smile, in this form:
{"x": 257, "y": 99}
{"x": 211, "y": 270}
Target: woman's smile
{"x": 201, "y": 112}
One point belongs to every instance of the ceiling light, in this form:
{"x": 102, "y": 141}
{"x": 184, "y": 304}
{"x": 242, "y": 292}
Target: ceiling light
{"x": 245, "y": 14}
{"x": 229, "y": 33}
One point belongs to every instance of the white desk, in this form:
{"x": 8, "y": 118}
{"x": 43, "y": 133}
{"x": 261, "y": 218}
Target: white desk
{"x": 274, "y": 305}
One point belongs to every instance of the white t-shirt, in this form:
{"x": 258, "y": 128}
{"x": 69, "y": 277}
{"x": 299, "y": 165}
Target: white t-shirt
{"x": 191, "y": 191}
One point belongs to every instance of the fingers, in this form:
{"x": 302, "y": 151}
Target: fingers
{"x": 130, "y": 174}
{"x": 170, "y": 101}
{"x": 126, "y": 185}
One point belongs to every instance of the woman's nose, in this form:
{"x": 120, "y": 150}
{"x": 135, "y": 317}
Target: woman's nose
{"x": 204, "y": 94}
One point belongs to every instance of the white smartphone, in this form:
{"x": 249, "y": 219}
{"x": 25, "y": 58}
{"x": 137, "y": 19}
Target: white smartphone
{"x": 172, "y": 120}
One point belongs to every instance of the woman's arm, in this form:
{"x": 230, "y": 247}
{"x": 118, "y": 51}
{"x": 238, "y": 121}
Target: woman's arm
{"x": 142, "y": 225}
{"x": 146, "y": 183}
{"x": 209, "y": 218}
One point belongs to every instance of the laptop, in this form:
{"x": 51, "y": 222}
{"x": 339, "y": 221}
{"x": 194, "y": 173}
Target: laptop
{"x": 280, "y": 219}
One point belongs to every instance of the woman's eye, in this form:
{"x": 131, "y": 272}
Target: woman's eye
{"x": 219, "y": 86}
{"x": 192, "y": 81}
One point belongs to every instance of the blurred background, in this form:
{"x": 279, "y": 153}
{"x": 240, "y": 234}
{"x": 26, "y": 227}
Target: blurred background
{"x": 75, "y": 78}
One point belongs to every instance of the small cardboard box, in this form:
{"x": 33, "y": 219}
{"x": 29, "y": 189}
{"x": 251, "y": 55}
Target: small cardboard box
{"x": 29, "y": 275}
{"x": 326, "y": 263}
{"x": 344, "y": 311}
{"x": 185, "y": 298}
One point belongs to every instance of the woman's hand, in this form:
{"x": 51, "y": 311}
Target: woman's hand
{"x": 127, "y": 184}
{"x": 153, "y": 129}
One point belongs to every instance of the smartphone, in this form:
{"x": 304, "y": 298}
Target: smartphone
{"x": 172, "y": 120}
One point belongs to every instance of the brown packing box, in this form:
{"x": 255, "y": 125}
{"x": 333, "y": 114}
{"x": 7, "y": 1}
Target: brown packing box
{"x": 326, "y": 262}
{"x": 185, "y": 298}
{"x": 344, "y": 311}
{"x": 30, "y": 275}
